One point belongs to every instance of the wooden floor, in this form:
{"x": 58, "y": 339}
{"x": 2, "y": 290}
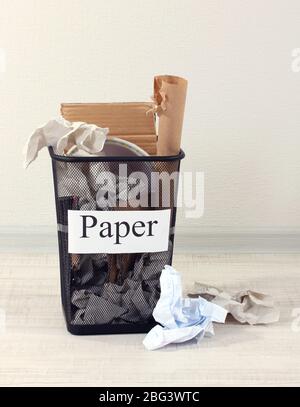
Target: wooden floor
{"x": 35, "y": 348}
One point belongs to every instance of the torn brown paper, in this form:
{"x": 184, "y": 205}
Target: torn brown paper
{"x": 169, "y": 103}
{"x": 245, "y": 306}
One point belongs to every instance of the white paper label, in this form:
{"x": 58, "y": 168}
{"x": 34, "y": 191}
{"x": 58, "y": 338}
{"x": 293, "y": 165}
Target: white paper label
{"x": 118, "y": 231}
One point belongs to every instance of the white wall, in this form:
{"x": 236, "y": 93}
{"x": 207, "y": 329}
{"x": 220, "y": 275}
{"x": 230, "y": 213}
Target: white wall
{"x": 242, "y": 124}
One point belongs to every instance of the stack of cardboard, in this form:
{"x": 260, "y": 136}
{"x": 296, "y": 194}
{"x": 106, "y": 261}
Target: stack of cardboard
{"x": 134, "y": 122}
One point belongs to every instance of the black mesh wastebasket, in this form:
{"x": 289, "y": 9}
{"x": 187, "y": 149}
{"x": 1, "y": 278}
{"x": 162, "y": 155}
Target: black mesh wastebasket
{"x": 104, "y": 205}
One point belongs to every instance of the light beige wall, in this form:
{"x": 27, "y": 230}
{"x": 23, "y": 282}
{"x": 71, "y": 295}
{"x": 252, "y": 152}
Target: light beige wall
{"x": 242, "y": 118}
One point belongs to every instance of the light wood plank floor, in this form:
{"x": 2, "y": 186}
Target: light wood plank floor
{"x": 35, "y": 348}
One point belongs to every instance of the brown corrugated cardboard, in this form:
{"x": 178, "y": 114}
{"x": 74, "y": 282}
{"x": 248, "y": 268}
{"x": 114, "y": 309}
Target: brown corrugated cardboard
{"x": 131, "y": 121}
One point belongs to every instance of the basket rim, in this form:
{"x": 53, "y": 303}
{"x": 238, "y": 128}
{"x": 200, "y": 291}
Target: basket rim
{"x": 63, "y": 158}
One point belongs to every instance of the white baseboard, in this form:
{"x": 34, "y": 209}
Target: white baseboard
{"x": 216, "y": 240}
{"x": 239, "y": 243}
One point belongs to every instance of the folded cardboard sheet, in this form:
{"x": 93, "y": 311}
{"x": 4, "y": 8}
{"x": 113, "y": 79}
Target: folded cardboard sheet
{"x": 133, "y": 121}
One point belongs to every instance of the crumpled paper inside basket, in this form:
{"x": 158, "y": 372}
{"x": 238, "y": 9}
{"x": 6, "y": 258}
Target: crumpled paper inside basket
{"x": 64, "y": 136}
{"x": 131, "y": 301}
